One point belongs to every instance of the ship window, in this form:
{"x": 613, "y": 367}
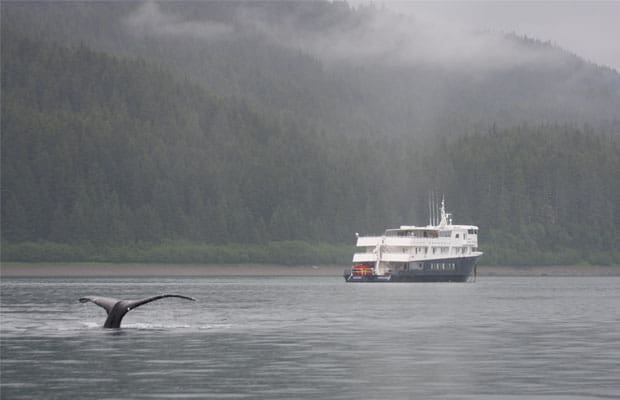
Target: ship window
{"x": 457, "y": 235}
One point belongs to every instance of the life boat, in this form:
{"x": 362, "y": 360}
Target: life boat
{"x": 361, "y": 270}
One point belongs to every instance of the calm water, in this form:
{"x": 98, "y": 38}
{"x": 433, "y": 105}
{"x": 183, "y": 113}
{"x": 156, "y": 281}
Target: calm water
{"x": 314, "y": 338}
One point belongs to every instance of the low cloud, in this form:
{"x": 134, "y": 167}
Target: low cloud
{"x": 403, "y": 40}
{"x": 148, "y": 19}
{"x": 370, "y": 35}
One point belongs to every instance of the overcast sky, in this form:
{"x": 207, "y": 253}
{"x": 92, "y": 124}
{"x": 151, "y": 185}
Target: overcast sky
{"x": 589, "y": 29}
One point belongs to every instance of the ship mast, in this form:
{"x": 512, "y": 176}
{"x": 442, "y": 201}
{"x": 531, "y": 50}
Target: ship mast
{"x": 442, "y": 210}
{"x": 446, "y": 218}
{"x": 433, "y": 217}
{"x": 437, "y": 216}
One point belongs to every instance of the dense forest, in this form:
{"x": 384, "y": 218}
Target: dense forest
{"x": 226, "y": 145}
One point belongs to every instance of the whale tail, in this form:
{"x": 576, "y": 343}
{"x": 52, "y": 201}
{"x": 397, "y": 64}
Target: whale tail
{"x": 116, "y": 309}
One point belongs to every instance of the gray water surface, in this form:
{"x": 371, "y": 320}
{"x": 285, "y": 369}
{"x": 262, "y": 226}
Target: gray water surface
{"x": 313, "y": 338}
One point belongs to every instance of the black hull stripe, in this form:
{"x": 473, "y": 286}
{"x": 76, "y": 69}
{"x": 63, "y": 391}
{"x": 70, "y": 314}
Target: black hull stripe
{"x": 464, "y": 268}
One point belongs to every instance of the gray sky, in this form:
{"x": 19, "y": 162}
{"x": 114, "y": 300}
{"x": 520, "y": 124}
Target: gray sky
{"x": 589, "y": 29}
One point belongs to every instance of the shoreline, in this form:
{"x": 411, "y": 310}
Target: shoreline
{"x": 17, "y": 270}
{"x": 50, "y": 270}
{"x": 550, "y": 270}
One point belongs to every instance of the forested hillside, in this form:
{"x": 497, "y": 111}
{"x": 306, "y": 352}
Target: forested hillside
{"x": 546, "y": 194}
{"x": 132, "y": 155}
{"x": 131, "y": 132}
{"x": 355, "y": 72}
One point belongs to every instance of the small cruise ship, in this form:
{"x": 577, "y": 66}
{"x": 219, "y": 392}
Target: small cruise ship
{"x": 438, "y": 252}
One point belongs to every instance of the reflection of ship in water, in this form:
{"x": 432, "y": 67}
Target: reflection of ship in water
{"x": 438, "y": 252}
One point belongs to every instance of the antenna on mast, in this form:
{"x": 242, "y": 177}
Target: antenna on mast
{"x": 444, "y": 215}
{"x": 433, "y": 209}
{"x": 430, "y": 208}
{"x": 436, "y": 204}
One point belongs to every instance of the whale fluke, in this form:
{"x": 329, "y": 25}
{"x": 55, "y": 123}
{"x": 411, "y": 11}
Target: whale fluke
{"x": 116, "y": 309}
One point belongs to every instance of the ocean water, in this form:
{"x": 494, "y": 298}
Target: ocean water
{"x": 313, "y": 338}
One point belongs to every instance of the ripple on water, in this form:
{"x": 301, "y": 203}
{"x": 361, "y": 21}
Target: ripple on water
{"x": 272, "y": 338}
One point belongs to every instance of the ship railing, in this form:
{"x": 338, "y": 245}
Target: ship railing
{"x": 420, "y": 242}
{"x": 373, "y": 241}
{"x": 364, "y": 257}
{"x": 396, "y": 257}
{"x": 368, "y": 241}
{"x": 407, "y": 257}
